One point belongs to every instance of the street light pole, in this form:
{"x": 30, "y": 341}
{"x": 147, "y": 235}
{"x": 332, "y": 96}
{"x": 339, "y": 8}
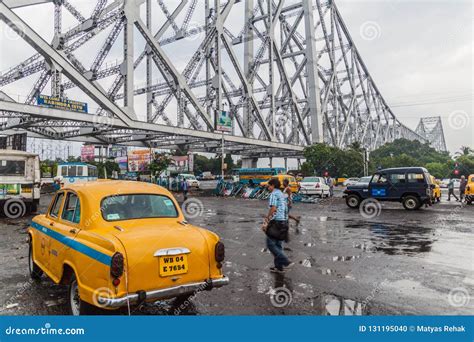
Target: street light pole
{"x": 222, "y": 157}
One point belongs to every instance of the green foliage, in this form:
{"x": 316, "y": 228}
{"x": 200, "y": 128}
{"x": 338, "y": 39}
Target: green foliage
{"x": 420, "y": 153}
{"x": 160, "y": 163}
{"x": 466, "y": 164}
{"x": 439, "y": 170}
{"x": 203, "y": 164}
{"x": 400, "y": 153}
{"x": 48, "y": 167}
{"x": 321, "y": 158}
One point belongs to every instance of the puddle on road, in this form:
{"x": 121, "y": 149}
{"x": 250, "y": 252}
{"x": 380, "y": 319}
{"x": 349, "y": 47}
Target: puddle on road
{"x": 395, "y": 239}
{"x": 333, "y": 305}
{"x": 401, "y": 240}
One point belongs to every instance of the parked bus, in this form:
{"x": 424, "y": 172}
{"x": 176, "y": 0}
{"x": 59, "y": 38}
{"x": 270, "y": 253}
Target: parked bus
{"x": 258, "y": 175}
{"x": 20, "y": 182}
{"x": 72, "y": 173}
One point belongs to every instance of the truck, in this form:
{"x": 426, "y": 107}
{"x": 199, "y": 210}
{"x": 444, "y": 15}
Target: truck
{"x": 20, "y": 183}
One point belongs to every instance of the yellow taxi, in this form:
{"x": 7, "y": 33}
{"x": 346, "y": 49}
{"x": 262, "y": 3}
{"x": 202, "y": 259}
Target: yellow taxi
{"x": 294, "y": 185}
{"x": 436, "y": 194}
{"x": 470, "y": 189}
{"x": 122, "y": 243}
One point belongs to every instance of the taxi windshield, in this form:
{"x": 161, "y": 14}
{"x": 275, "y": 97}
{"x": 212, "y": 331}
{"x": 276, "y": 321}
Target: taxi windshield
{"x": 137, "y": 206}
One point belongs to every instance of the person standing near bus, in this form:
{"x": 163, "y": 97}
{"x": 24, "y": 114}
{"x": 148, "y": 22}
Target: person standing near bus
{"x": 289, "y": 198}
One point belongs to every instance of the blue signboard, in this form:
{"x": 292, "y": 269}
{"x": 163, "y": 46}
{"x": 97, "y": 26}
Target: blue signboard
{"x": 61, "y": 103}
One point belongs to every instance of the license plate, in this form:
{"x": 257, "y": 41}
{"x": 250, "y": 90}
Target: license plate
{"x": 173, "y": 264}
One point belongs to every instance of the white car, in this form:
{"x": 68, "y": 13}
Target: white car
{"x": 444, "y": 183}
{"x": 314, "y": 185}
{"x": 351, "y": 181}
{"x": 190, "y": 179}
{"x": 364, "y": 180}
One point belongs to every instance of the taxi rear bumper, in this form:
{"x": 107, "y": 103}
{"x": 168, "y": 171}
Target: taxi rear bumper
{"x": 154, "y": 295}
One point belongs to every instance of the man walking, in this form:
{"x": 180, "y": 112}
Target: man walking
{"x": 288, "y": 194}
{"x": 185, "y": 187}
{"x": 330, "y": 183}
{"x": 451, "y": 190}
{"x": 276, "y": 227}
{"x": 462, "y": 188}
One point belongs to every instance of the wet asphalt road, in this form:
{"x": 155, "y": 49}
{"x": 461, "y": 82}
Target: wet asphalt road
{"x": 399, "y": 263}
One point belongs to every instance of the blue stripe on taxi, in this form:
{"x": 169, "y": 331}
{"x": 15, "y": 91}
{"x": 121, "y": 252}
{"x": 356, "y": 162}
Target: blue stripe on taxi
{"x": 80, "y": 247}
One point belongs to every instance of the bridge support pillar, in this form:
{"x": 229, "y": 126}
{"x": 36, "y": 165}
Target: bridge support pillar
{"x": 270, "y": 162}
{"x": 286, "y": 163}
{"x": 249, "y": 163}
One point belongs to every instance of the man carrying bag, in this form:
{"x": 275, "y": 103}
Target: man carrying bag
{"x": 276, "y": 227}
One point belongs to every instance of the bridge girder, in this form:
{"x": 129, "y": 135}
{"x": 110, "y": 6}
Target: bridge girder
{"x": 303, "y": 79}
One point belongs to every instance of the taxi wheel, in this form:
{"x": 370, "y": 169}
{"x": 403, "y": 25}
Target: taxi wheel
{"x": 35, "y": 271}
{"x": 411, "y": 203}
{"x": 76, "y": 306}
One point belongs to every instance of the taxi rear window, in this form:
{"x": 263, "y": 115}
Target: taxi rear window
{"x": 137, "y": 206}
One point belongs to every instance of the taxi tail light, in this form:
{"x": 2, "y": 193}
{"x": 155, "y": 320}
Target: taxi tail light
{"x": 116, "y": 265}
{"x": 317, "y": 185}
{"x": 219, "y": 252}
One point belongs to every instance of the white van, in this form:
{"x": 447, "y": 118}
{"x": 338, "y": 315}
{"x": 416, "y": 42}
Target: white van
{"x": 20, "y": 182}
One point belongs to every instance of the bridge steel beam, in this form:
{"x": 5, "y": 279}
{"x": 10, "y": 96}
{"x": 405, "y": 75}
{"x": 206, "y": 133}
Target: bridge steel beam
{"x": 302, "y": 81}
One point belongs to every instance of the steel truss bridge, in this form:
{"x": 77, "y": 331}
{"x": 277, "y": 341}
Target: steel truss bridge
{"x": 288, "y": 73}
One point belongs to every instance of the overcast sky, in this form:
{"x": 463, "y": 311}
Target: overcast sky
{"x": 420, "y": 54}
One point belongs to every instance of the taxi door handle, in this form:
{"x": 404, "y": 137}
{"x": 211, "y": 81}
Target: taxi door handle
{"x": 73, "y": 231}
{"x": 51, "y": 223}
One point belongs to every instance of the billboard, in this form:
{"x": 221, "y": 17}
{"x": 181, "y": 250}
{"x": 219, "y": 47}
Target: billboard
{"x": 61, "y": 103}
{"x": 122, "y": 163}
{"x": 138, "y": 160}
{"x": 87, "y": 153}
{"x": 224, "y": 121}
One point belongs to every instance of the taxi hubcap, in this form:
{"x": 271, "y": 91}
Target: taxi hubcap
{"x": 411, "y": 203}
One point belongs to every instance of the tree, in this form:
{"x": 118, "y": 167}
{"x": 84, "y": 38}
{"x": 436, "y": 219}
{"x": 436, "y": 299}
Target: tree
{"x": 439, "y": 170}
{"x": 322, "y": 158}
{"x": 160, "y": 163}
{"x": 463, "y": 151}
{"x": 465, "y": 165}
